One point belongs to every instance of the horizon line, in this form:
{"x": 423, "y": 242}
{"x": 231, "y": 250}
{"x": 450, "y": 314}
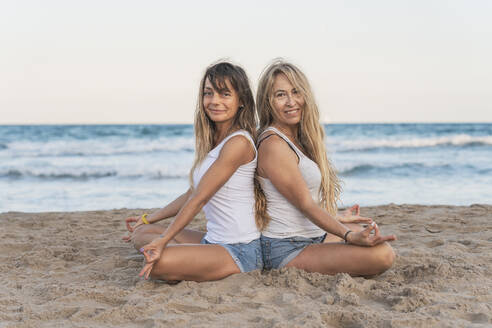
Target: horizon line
{"x": 183, "y": 123}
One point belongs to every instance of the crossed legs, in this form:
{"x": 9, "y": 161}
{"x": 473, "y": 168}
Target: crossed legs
{"x": 332, "y": 257}
{"x": 185, "y": 258}
{"x": 194, "y": 262}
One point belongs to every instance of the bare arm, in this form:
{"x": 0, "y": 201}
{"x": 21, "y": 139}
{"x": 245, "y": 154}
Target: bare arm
{"x": 166, "y": 212}
{"x": 236, "y": 152}
{"x": 278, "y": 163}
{"x": 171, "y": 209}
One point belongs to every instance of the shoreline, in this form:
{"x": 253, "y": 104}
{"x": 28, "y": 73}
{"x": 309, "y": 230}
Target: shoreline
{"x": 148, "y": 210}
{"x": 73, "y": 269}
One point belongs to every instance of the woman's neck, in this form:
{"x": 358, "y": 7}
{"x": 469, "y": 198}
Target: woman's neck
{"x": 222, "y": 131}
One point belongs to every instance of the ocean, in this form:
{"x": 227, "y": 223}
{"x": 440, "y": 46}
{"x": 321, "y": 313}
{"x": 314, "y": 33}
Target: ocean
{"x": 94, "y": 167}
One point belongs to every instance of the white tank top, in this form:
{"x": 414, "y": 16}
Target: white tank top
{"x": 287, "y": 220}
{"x": 230, "y": 213}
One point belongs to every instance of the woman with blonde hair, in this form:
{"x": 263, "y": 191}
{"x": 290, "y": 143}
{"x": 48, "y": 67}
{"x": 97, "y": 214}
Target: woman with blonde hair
{"x": 297, "y": 188}
{"x": 221, "y": 183}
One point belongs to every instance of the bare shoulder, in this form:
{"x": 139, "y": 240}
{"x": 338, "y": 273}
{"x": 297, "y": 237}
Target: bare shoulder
{"x": 273, "y": 146}
{"x": 239, "y": 141}
{"x": 277, "y": 161}
{"x": 238, "y": 149}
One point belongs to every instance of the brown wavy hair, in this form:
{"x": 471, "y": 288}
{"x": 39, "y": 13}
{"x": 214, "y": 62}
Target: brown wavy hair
{"x": 311, "y": 136}
{"x": 245, "y": 119}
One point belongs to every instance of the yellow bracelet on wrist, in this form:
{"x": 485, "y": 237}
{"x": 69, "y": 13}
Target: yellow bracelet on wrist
{"x": 144, "y": 219}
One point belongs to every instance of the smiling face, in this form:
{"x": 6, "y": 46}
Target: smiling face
{"x": 221, "y": 106}
{"x": 287, "y": 102}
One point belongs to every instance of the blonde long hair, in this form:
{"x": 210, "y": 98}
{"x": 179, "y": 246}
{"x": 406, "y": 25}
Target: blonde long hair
{"x": 311, "y": 136}
{"x": 245, "y": 118}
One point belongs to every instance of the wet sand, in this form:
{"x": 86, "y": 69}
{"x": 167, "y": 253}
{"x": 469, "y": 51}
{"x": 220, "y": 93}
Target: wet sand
{"x": 73, "y": 270}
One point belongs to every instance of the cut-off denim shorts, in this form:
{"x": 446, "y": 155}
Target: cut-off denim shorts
{"x": 278, "y": 252}
{"x": 247, "y": 256}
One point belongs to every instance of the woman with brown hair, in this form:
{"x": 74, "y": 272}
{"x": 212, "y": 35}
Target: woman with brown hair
{"x": 221, "y": 184}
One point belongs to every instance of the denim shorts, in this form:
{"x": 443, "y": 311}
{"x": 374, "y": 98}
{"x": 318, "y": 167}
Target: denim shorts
{"x": 247, "y": 256}
{"x": 277, "y": 252}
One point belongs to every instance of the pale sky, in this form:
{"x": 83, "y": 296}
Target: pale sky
{"x": 141, "y": 61}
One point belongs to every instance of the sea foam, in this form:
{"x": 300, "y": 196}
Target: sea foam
{"x": 461, "y": 140}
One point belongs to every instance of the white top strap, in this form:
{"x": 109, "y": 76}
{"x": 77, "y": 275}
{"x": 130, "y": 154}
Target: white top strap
{"x": 299, "y": 153}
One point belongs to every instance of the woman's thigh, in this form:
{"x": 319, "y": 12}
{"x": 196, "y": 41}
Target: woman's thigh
{"x": 337, "y": 257}
{"x": 194, "y": 262}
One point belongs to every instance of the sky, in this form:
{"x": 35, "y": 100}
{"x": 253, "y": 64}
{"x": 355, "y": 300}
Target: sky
{"x": 98, "y": 62}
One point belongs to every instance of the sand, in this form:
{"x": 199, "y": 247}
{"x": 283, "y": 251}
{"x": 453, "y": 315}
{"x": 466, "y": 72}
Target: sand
{"x": 73, "y": 270}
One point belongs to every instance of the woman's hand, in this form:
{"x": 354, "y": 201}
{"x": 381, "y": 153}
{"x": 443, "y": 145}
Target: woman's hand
{"x": 365, "y": 238}
{"x": 354, "y": 210}
{"x": 128, "y": 238}
{"x": 352, "y": 215}
{"x": 137, "y": 220}
{"x": 152, "y": 253}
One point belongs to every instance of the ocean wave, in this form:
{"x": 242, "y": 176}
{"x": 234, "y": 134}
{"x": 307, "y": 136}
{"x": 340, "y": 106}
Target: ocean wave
{"x": 18, "y": 174}
{"x": 86, "y": 172}
{"x": 462, "y": 140}
{"x": 93, "y": 147}
{"x": 404, "y": 169}
{"x": 66, "y": 174}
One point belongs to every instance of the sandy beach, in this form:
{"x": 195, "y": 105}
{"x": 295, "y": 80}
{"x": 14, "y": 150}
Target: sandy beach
{"x": 71, "y": 269}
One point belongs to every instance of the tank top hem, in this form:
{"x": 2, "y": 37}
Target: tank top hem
{"x": 244, "y": 240}
{"x": 305, "y": 234}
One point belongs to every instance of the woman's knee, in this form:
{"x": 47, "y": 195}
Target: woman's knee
{"x": 139, "y": 239}
{"x": 149, "y": 228}
{"x": 144, "y": 235}
{"x": 163, "y": 269}
{"x": 385, "y": 257}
